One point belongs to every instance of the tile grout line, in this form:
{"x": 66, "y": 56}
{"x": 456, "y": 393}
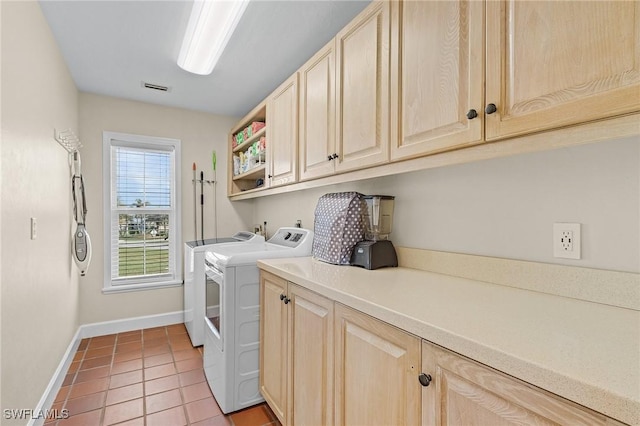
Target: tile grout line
{"x": 180, "y": 387}
{"x": 103, "y": 413}
{"x": 144, "y": 380}
{"x": 103, "y": 409}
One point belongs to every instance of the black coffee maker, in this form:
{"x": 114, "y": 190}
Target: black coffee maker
{"x": 376, "y": 250}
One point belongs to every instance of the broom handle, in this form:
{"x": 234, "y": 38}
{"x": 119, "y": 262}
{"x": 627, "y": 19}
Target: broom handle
{"x": 195, "y": 214}
{"x": 202, "y": 205}
{"x": 215, "y": 200}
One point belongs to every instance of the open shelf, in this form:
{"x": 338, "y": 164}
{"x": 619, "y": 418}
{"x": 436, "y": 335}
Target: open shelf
{"x": 253, "y": 173}
{"x": 246, "y": 182}
{"x": 256, "y": 136}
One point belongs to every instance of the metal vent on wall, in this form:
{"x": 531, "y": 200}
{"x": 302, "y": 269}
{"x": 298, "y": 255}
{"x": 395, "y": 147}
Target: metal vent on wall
{"x": 155, "y": 87}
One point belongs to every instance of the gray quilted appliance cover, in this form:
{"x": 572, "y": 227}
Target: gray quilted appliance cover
{"x": 338, "y": 226}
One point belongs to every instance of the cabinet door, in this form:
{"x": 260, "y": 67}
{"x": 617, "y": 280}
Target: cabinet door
{"x": 273, "y": 343}
{"x": 464, "y": 392}
{"x": 553, "y": 64}
{"x": 362, "y": 88}
{"x": 310, "y": 358}
{"x": 317, "y": 114}
{"x": 282, "y": 139}
{"x": 376, "y": 371}
{"x": 437, "y": 76}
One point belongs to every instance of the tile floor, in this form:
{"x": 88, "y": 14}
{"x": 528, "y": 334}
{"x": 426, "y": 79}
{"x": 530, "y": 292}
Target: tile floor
{"x": 146, "y": 377}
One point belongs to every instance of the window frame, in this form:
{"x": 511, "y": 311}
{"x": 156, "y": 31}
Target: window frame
{"x": 109, "y": 140}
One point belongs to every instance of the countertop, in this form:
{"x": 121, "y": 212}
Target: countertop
{"x": 586, "y": 352}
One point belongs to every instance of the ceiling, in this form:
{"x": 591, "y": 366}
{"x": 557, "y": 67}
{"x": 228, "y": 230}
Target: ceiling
{"x": 111, "y": 47}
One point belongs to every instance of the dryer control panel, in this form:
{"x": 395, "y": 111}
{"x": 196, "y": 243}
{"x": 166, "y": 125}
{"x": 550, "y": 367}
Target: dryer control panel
{"x": 291, "y": 237}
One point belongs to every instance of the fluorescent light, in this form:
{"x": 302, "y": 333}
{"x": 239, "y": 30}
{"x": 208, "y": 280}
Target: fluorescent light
{"x": 210, "y": 26}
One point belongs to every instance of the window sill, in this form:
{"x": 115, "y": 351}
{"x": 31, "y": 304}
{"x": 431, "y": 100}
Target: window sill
{"x": 125, "y": 288}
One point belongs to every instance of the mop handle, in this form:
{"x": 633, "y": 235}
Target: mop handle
{"x": 202, "y": 205}
{"x": 215, "y": 196}
{"x": 195, "y": 214}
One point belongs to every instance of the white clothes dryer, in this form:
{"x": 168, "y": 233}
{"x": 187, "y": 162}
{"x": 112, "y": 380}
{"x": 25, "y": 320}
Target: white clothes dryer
{"x": 194, "y": 280}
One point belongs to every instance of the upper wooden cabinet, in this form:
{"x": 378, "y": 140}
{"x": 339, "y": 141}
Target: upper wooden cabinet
{"x": 548, "y": 65}
{"x": 317, "y": 114}
{"x": 362, "y": 89}
{"x": 551, "y": 64}
{"x": 408, "y": 79}
{"x": 437, "y": 76}
{"x": 282, "y": 133}
{"x": 344, "y": 99}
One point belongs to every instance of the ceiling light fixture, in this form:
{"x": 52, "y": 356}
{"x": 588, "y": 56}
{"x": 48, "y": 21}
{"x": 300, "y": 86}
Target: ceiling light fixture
{"x": 210, "y": 27}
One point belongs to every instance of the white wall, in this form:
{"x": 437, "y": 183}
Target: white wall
{"x": 39, "y": 282}
{"x": 200, "y": 134}
{"x": 506, "y": 207}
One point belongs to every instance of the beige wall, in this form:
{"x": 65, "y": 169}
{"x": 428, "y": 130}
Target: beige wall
{"x": 200, "y": 134}
{"x": 506, "y": 207}
{"x": 1, "y": 404}
{"x": 39, "y": 280}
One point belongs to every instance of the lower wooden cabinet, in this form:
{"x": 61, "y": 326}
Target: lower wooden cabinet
{"x": 273, "y": 343}
{"x": 377, "y": 367}
{"x": 464, "y": 392}
{"x": 323, "y": 363}
{"x": 310, "y": 358}
{"x": 296, "y": 356}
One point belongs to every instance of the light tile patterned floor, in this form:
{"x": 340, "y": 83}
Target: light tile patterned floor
{"x": 151, "y": 377}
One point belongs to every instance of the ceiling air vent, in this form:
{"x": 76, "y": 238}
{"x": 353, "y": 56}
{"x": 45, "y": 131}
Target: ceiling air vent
{"x": 156, "y": 87}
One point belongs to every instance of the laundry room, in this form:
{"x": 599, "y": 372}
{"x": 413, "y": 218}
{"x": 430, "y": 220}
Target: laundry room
{"x": 349, "y": 187}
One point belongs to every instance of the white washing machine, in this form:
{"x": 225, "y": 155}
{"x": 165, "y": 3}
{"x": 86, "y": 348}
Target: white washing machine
{"x": 232, "y": 325}
{"x": 194, "y": 280}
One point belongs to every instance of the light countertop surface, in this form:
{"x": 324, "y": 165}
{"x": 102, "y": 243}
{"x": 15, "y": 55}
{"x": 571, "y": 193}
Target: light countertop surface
{"x": 584, "y": 351}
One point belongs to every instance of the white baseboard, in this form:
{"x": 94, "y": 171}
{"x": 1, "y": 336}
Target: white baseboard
{"x": 129, "y": 324}
{"x": 50, "y": 393}
{"x": 93, "y": 330}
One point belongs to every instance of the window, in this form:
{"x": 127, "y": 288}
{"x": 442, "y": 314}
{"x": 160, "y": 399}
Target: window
{"x": 142, "y": 212}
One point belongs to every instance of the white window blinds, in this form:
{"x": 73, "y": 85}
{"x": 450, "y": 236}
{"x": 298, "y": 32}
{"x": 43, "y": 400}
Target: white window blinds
{"x": 143, "y": 226}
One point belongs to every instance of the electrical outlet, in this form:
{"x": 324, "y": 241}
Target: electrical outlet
{"x": 566, "y": 240}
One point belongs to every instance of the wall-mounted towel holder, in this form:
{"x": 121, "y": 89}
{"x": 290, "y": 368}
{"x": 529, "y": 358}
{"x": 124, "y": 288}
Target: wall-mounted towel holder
{"x": 68, "y": 140}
